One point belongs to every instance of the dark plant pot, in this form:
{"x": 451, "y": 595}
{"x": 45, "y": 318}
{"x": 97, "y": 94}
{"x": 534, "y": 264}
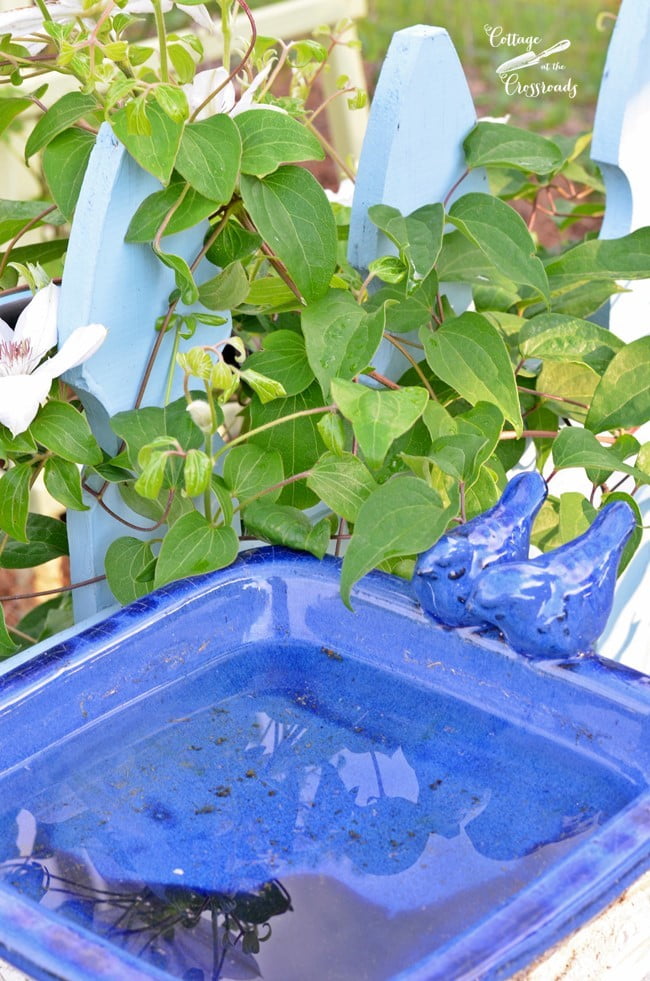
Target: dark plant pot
{"x": 397, "y": 799}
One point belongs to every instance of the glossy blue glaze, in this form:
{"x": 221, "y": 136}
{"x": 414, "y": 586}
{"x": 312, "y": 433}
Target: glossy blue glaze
{"x": 557, "y": 604}
{"x": 445, "y": 575}
{"x": 448, "y": 807}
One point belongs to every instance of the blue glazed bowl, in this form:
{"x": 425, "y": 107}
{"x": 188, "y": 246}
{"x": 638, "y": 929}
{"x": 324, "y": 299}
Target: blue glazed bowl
{"x": 236, "y": 774}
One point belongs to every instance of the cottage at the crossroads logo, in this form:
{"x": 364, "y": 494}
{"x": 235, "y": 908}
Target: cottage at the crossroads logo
{"x": 515, "y": 71}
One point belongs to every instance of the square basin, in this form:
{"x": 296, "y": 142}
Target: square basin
{"x": 238, "y": 777}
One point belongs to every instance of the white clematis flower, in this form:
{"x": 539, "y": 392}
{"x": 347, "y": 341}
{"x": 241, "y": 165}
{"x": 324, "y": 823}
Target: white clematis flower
{"x": 344, "y": 195}
{"x": 24, "y": 21}
{"x": 494, "y": 119}
{"x": 225, "y": 99}
{"x": 24, "y": 381}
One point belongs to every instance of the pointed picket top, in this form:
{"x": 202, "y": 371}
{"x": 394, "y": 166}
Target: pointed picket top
{"x": 412, "y": 154}
{"x": 125, "y": 287}
{"x": 620, "y": 147}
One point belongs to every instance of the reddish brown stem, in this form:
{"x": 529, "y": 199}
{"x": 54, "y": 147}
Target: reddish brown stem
{"x": 546, "y": 434}
{"x": 50, "y": 592}
{"x": 454, "y": 186}
{"x": 386, "y": 382}
{"x": 23, "y": 231}
{"x": 249, "y": 50}
{"x": 123, "y": 521}
{"x": 339, "y": 537}
{"x": 553, "y": 398}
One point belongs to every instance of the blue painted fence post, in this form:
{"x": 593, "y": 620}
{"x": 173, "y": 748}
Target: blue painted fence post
{"x": 412, "y": 153}
{"x": 125, "y": 287}
{"x": 622, "y": 149}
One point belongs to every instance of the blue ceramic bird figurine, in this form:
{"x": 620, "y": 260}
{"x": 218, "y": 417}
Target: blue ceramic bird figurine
{"x": 445, "y": 574}
{"x": 557, "y": 605}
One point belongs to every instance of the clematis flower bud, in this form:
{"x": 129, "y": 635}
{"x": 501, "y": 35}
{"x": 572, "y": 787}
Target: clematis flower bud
{"x": 201, "y": 415}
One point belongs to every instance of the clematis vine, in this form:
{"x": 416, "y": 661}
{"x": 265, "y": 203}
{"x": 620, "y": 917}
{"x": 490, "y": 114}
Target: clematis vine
{"x": 213, "y": 88}
{"x": 23, "y": 22}
{"x": 25, "y": 378}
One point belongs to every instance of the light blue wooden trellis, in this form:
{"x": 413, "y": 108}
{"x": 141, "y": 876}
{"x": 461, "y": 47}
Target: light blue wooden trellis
{"x": 412, "y": 156}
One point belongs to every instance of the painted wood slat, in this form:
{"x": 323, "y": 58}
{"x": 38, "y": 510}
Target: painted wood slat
{"x": 126, "y": 288}
{"x": 412, "y": 155}
{"x": 621, "y": 146}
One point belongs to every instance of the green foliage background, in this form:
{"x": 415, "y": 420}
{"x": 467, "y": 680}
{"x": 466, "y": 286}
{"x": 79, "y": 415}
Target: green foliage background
{"x": 554, "y": 20}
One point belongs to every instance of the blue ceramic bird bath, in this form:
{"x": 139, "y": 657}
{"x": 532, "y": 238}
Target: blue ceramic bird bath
{"x": 239, "y": 755}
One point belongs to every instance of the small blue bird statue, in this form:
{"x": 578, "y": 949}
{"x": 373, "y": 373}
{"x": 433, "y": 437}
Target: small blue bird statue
{"x": 445, "y": 574}
{"x": 557, "y": 605}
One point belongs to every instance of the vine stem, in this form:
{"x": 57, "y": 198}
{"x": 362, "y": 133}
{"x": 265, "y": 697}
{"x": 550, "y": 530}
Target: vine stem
{"x": 454, "y": 186}
{"x": 328, "y": 101}
{"x": 363, "y": 289}
{"x": 546, "y": 434}
{"x": 92, "y": 40}
{"x": 55, "y": 589}
{"x": 80, "y": 124}
{"x": 529, "y": 433}
{"x": 409, "y": 343}
{"x": 170, "y": 312}
{"x": 172, "y": 364}
{"x": 209, "y": 449}
{"x": 619, "y": 483}
{"x": 277, "y": 68}
{"x": 277, "y": 264}
{"x": 321, "y": 67}
{"x": 409, "y": 357}
{"x": 319, "y": 410}
{"x": 247, "y": 54}
{"x": 42, "y": 6}
{"x": 274, "y": 487}
{"x": 441, "y": 312}
{"x": 339, "y": 537}
{"x": 330, "y": 151}
{"x": 386, "y": 382}
{"x": 168, "y": 217}
{"x": 98, "y": 495}
{"x": 21, "y": 634}
{"x": 23, "y": 231}
{"x": 162, "y": 39}
{"x": 553, "y": 398}
{"x": 44, "y": 58}
{"x": 226, "y": 31}
{"x": 281, "y": 270}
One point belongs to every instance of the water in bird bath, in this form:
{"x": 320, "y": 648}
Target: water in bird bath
{"x": 279, "y": 817}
